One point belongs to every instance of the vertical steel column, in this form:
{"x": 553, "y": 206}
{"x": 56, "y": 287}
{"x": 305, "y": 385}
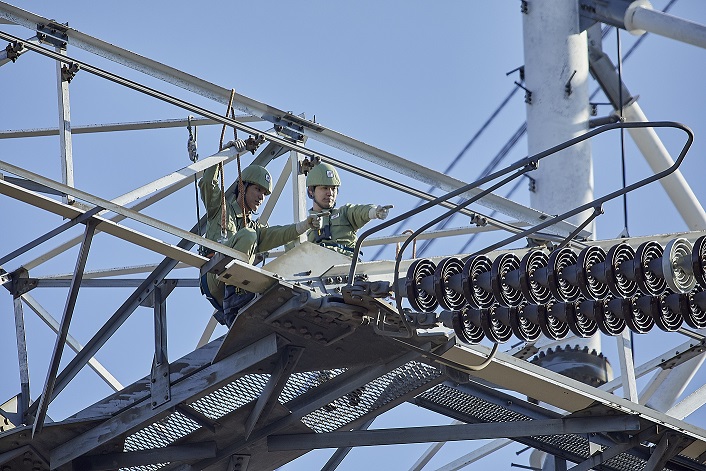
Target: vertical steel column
{"x": 67, "y": 162}
{"x": 298, "y": 190}
{"x": 627, "y": 366}
{"x": 556, "y": 76}
{"x": 160, "y": 369}
{"x": 48, "y": 390}
{"x": 23, "y": 402}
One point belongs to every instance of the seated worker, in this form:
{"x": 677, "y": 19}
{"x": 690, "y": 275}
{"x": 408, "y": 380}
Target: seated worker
{"x": 241, "y": 232}
{"x": 338, "y": 228}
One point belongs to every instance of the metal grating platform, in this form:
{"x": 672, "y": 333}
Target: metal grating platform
{"x": 473, "y": 403}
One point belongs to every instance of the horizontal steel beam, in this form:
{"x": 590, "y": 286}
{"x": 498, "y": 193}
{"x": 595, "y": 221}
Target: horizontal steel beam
{"x": 113, "y": 127}
{"x": 445, "y": 433}
{"x": 129, "y": 459}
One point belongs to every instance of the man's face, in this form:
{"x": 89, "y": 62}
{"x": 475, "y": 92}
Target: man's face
{"x": 325, "y": 197}
{"x": 254, "y": 196}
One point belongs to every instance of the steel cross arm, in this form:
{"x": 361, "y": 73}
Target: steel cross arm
{"x": 114, "y": 283}
{"x": 147, "y": 195}
{"x": 128, "y": 459}
{"x": 142, "y": 413}
{"x": 48, "y": 391}
{"x": 278, "y": 117}
{"x": 444, "y": 433}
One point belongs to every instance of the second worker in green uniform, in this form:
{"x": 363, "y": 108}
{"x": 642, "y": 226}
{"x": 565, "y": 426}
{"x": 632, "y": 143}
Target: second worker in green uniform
{"x": 339, "y": 226}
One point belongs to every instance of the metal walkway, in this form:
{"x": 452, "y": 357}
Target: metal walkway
{"x": 291, "y": 376}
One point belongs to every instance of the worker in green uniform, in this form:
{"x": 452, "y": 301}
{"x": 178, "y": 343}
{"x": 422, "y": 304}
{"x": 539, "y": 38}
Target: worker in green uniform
{"x": 339, "y": 226}
{"x": 241, "y": 231}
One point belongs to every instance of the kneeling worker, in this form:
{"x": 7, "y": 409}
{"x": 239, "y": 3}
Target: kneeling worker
{"x": 241, "y": 232}
{"x": 339, "y": 227}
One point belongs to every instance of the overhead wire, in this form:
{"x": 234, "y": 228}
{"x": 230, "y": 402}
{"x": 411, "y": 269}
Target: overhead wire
{"x": 458, "y": 157}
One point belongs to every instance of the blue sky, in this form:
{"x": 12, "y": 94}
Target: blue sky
{"x": 412, "y": 78}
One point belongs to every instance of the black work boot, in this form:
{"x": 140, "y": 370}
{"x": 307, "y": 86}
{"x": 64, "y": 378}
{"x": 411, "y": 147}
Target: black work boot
{"x": 234, "y": 299}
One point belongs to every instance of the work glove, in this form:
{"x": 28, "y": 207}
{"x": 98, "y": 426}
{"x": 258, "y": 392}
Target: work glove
{"x": 379, "y": 212}
{"x": 311, "y": 222}
{"x": 239, "y": 145}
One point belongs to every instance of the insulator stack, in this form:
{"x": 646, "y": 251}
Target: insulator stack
{"x": 564, "y": 292}
{"x": 533, "y": 277}
{"x": 419, "y": 285}
{"x": 477, "y": 287}
{"x": 448, "y": 284}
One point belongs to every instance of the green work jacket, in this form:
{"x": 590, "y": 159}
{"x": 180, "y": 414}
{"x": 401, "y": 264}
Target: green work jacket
{"x": 267, "y": 237}
{"x": 343, "y": 223}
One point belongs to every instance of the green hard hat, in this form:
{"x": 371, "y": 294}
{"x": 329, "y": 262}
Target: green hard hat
{"x": 259, "y": 176}
{"x": 323, "y": 175}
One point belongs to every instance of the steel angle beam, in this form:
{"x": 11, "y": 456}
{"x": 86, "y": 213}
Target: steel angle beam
{"x": 303, "y": 405}
{"x": 444, "y": 433}
{"x": 143, "y": 413}
{"x": 282, "y": 118}
{"x": 113, "y": 127}
{"x": 146, "y": 195}
{"x": 134, "y": 215}
{"x": 173, "y": 453}
{"x": 288, "y": 360}
{"x": 122, "y": 232}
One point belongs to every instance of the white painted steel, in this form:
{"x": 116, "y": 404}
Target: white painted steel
{"x": 299, "y": 198}
{"x": 640, "y": 18}
{"x": 65, "y": 143}
{"x": 627, "y": 367}
{"x": 689, "y": 404}
{"x": 556, "y": 53}
{"x": 674, "y": 384}
{"x": 475, "y": 455}
{"x": 659, "y": 159}
{"x": 148, "y": 194}
{"x": 554, "y": 48}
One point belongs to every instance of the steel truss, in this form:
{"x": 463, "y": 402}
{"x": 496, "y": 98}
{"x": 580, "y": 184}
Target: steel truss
{"x": 263, "y": 395}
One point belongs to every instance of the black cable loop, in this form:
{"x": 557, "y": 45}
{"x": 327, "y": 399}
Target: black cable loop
{"x": 615, "y": 194}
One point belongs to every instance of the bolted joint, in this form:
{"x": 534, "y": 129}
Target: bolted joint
{"x": 13, "y": 50}
{"x": 532, "y": 185}
{"x": 68, "y": 71}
